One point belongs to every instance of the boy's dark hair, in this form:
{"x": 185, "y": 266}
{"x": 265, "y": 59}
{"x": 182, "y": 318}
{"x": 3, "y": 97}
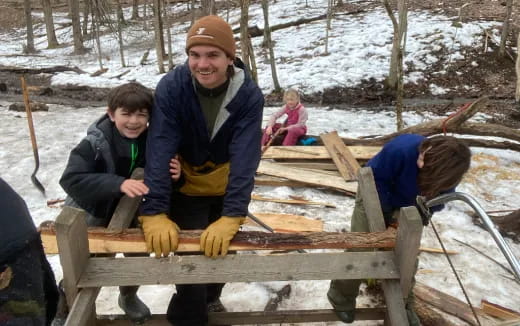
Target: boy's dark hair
{"x": 445, "y": 162}
{"x": 132, "y": 97}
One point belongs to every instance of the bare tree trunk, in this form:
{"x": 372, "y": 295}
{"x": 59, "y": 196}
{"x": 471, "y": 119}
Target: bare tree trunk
{"x": 208, "y": 7}
{"x": 76, "y": 27}
{"x": 192, "y": 12}
{"x": 517, "y": 68}
{"x": 95, "y": 30}
{"x": 168, "y": 34}
{"x": 505, "y": 29}
{"x": 402, "y": 6}
{"x": 227, "y": 10}
{"x": 252, "y": 61}
{"x": 391, "y": 80}
{"x": 52, "y": 41}
{"x": 328, "y": 25}
{"x": 269, "y": 43}
{"x": 159, "y": 39}
{"x": 120, "y": 15}
{"x": 244, "y": 35}
{"x": 29, "y": 47}
{"x": 135, "y": 9}
{"x": 120, "y": 23}
{"x": 86, "y": 12}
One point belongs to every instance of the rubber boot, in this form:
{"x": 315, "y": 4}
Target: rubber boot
{"x": 133, "y": 307}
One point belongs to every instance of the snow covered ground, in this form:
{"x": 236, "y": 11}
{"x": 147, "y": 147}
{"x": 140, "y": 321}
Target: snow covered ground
{"x": 359, "y": 48}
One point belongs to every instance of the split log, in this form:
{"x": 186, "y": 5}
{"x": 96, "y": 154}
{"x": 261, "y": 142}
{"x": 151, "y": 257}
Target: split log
{"x": 102, "y": 240}
{"x": 446, "y": 303}
{"x": 429, "y": 316}
{"x": 498, "y": 311}
{"x": 508, "y": 225}
{"x": 48, "y": 70}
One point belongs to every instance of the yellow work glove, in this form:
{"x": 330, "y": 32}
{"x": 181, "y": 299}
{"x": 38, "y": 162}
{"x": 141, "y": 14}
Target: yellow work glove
{"x": 218, "y": 235}
{"x": 160, "y": 233}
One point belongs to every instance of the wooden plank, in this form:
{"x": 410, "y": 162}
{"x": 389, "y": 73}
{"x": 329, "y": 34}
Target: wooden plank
{"x": 72, "y": 242}
{"x": 437, "y": 251}
{"x": 498, "y": 311}
{"x": 267, "y": 180}
{"x": 102, "y": 240}
{"x": 394, "y": 302}
{"x": 199, "y": 269}
{"x": 341, "y": 155}
{"x": 407, "y": 244}
{"x": 311, "y": 165}
{"x": 291, "y": 201}
{"x": 83, "y": 309}
{"x": 253, "y": 317}
{"x": 126, "y": 208}
{"x": 446, "y": 303}
{"x": 367, "y": 187}
{"x": 307, "y": 177}
{"x": 288, "y": 223}
{"x": 316, "y": 152}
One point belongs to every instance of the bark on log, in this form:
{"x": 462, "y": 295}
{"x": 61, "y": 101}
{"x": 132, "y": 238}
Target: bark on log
{"x": 428, "y": 315}
{"x": 48, "y": 70}
{"x": 508, "y": 225}
{"x": 102, "y": 240}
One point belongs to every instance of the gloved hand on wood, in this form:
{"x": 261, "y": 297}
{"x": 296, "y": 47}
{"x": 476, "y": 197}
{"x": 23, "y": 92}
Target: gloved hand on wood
{"x": 217, "y": 236}
{"x": 160, "y": 233}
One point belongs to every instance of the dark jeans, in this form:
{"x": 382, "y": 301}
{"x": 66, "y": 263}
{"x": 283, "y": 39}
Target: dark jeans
{"x": 189, "y": 306}
{"x": 28, "y": 292}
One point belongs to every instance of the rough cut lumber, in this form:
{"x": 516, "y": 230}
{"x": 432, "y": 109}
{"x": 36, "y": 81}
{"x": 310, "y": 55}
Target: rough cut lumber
{"x": 446, "y": 303}
{"x": 288, "y": 223}
{"x": 316, "y": 152}
{"x": 306, "y": 176}
{"x": 102, "y": 240}
{"x": 341, "y": 156}
{"x": 292, "y": 201}
{"x": 253, "y": 317}
{"x": 498, "y": 311}
{"x": 267, "y": 180}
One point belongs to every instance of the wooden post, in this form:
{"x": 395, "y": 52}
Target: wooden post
{"x": 396, "y": 314}
{"x": 407, "y": 245}
{"x": 71, "y": 234}
{"x": 126, "y": 208}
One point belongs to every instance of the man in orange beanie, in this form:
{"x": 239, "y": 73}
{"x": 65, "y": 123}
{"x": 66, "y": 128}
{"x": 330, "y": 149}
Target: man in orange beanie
{"x": 208, "y": 112}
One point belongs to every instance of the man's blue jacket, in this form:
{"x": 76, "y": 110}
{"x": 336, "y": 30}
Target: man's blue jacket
{"x": 178, "y": 126}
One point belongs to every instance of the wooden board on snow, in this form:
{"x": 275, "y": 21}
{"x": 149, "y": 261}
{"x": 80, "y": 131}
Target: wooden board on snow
{"x": 288, "y": 222}
{"x": 307, "y": 176}
{"x": 316, "y": 152}
{"x": 341, "y": 155}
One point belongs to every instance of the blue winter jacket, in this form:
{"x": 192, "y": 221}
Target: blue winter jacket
{"x": 395, "y": 172}
{"x": 178, "y": 127}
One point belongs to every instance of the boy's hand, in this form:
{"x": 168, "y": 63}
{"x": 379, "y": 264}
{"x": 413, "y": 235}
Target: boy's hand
{"x": 160, "y": 233}
{"x": 269, "y": 130}
{"x": 175, "y": 168}
{"x": 218, "y": 235}
{"x": 133, "y": 188}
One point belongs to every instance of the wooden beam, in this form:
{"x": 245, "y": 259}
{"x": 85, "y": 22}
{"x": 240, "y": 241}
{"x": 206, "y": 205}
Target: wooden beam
{"x": 498, "y": 311}
{"x": 71, "y": 238}
{"x": 267, "y": 180}
{"x": 83, "y": 310}
{"x": 288, "y": 223}
{"x": 253, "y": 317}
{"x": 306, "y": 176}
{"x": 102, "y": 240}
{"x": 316, "y": 152}
{"x": 291, "y": 201}
{"x": 127, "y": 207}
{"x": 199, "y": 269}
{"x": 341, "y": 156}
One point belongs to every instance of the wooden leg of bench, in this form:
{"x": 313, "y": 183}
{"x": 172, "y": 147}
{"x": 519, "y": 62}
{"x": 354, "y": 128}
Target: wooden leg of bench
{"x": 83, "y": 311}
{"x": 396, "y": 313}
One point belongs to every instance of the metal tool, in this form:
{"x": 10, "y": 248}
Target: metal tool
{"x": 488, "y": 223}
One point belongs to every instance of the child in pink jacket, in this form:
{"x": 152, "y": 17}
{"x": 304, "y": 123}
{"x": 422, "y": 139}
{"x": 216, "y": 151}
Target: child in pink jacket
{"x": 294, "y": 126}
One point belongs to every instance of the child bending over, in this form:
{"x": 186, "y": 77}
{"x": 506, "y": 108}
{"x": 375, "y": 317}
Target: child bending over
{"x": 294, "y": 126}
{"x": 407, "y": 166}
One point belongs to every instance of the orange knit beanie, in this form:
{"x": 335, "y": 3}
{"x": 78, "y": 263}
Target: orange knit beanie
{"x": 212, "y": 30}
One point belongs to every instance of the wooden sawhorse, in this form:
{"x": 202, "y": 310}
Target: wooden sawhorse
{"x": 84, "y": 275}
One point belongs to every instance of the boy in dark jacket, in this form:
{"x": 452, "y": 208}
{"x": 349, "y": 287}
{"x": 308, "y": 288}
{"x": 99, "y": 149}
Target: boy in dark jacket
{"x": 28, "y": 293}
{"x": 407, "y": 166}
{"x": 99, "y": 168}
{"x": 209, "y": 112}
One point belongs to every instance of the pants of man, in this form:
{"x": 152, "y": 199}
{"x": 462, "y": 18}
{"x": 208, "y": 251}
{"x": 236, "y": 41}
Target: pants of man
{"x": 342, "y": 293}
{"x": 189, "y": 306}
{"x": 28, "y": 292}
